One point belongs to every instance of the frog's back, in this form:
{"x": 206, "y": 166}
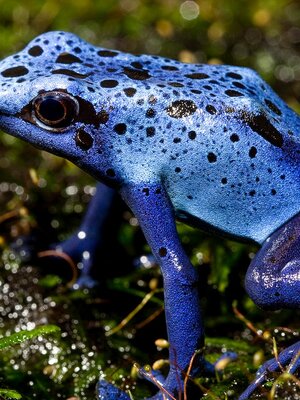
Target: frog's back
{"x": 226, "y": 147}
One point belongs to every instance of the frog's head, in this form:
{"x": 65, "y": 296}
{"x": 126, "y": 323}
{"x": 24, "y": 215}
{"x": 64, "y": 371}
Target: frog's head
{"x": 53, "y": 96}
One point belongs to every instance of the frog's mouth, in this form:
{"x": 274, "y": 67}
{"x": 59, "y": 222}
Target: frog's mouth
{"x": 9, "y": 123}
{"x": 18, "y": 128}
{"x": 29, "y": 132}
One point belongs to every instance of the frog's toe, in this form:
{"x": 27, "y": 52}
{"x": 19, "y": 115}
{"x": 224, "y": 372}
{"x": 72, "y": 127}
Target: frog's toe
{"x": 80, "y": 260}
{"x": 85, "y": 281}
{"x": 107, "y": 391}
{"x": 288, "y": 359}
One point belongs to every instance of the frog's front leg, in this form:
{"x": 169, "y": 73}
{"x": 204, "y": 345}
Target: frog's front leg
{"x": 273, "y": 282}
{"x": 154, "y": 211}
{"x": 82, "y": 245}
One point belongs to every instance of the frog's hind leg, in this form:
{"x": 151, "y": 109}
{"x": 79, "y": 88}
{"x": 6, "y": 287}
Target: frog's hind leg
{"x": 273, "y": 277}
{"x": 273, "y": 282}
{"x": 83, "y": 243}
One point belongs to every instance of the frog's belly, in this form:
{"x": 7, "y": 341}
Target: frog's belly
{"x": 244, "y": 205}
{"x": 235, "y": 217}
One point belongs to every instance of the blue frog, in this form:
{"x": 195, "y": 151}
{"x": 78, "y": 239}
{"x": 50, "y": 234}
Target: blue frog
{"x": 210, "y": 145}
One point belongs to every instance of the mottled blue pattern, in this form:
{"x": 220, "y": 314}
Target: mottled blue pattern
{"x": 212, "y": 145}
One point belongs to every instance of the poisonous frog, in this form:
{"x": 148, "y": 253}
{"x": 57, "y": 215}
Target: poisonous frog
{"x": 210, "y": 145}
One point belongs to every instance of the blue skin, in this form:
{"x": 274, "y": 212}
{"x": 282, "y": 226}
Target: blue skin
{"x": 209, "y": 145}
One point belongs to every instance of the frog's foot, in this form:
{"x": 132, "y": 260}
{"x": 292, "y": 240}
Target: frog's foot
{"x": 288, "y": 360}
{"x": 80, "y": 254}
{"x": 107, "y": 391}
{"x": 169, "y": 388}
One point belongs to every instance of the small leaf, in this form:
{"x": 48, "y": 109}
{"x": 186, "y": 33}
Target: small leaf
{"x": 10, "y": 394}
{"x": 20, "y": 337}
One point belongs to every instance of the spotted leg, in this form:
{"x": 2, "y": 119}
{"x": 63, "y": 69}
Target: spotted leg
{"x": 82, "y": 245}
{"x": 273, "y": 282}
{"x": 153, "y": 209}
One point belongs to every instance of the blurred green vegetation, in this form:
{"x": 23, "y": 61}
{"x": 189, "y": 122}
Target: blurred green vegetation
{"x": 39, "y": 192}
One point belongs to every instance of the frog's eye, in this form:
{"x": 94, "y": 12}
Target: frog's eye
{"x": 54, "y": 110}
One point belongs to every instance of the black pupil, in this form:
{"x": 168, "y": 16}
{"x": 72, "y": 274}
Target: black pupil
{"x": 51, "y": 109}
